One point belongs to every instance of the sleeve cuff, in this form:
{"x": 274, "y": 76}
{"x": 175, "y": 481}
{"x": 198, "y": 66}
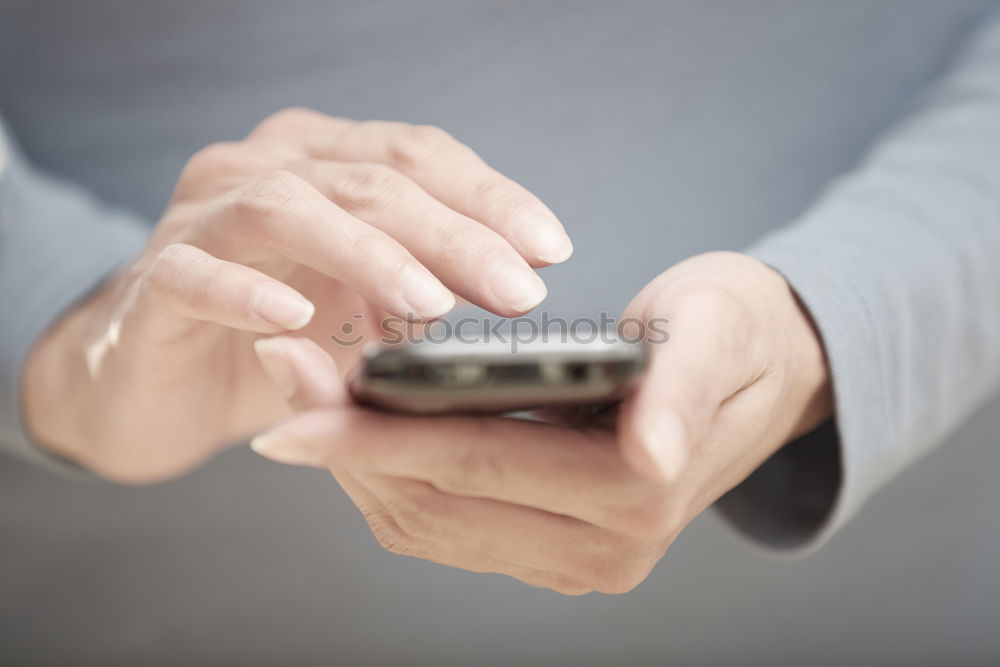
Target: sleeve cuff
{"x": 799, "y": 498}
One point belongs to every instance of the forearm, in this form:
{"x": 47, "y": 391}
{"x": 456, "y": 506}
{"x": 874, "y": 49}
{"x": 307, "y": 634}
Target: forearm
{"x": 897, "y": 264}
{"x": 909, "y": 242}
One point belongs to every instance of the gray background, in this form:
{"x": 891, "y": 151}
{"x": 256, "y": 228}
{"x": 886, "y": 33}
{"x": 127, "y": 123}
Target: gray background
{"x": 655, "y": 130}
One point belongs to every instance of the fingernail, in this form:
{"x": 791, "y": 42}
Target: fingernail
{"x": 541, "y": 235}
{"x": 667, "y": 445}
{"x": 518, "y": 287}
{"x": 277, "y": 448}
{"x": 281, "y": 306}
{"x": 277, "y": 365}
{"x": 424, "y": 294}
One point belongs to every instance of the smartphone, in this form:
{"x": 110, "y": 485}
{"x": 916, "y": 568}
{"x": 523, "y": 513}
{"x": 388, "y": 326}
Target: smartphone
{"x": 489, "y": 377}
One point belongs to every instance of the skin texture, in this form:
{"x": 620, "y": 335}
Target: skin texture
{"x": 156, "y": 372}
{"x": 576, "y": 507}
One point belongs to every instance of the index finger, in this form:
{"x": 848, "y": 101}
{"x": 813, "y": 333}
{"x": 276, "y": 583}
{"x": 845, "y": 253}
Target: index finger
{"x": 446, "y": 168}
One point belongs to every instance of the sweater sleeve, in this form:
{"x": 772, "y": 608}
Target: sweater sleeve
{"x": 57, "y": 242}
{"x": 899, "y": 265}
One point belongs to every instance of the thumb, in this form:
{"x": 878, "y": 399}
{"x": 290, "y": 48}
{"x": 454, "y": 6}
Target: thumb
{"x": 674, "y": 408}
{"x": 306, "y": 375}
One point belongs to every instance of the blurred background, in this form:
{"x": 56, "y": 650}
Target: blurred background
{"x": 655, "y": 130}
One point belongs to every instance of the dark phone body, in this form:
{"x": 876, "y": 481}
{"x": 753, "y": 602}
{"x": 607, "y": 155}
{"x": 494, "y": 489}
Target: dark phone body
{"x": 455, "y": 377}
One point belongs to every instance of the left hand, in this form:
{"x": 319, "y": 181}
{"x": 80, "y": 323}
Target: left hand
{"x": 580, "y": 508}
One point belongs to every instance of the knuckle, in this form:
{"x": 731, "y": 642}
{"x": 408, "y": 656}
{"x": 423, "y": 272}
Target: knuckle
{"x": 368, "y": 186}
{"x": 286, "y": 120}
{"x": 218, "y": 167}
{"x": 388, "y": 536}
{"x": 260, "y": 202}
{"x": 707, "y": 292}
{"x": 619, "y": 580}
{"x": 650, "y": 518}
{"x": 414, "y": 519}
{"x": 415, "y": 144}
{"x": 175, "y": 280}
{"x": 495, "y": 189}
{"x": 374, "y": 246}
{"x": 166, "y": 268}
{"x": 220, "y": 156}
{"x": 614, "y": 573}
{"x": 455, "y": 242}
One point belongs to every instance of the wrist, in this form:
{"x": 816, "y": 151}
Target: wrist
{"x": 811, "y": 386}
{"x": 53, "y": 394}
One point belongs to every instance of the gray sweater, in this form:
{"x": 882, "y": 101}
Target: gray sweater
{"x": 850, "y": 145}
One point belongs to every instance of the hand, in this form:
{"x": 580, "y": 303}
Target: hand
{"x": 576, "y": 508}
{"x": 156, "y": 372}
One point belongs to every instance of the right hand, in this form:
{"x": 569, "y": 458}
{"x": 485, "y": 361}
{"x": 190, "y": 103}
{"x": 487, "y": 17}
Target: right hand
{"x": 156, "y": 371}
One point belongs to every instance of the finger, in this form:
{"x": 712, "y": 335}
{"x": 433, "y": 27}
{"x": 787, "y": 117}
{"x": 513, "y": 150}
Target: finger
{"x": 521, "y": 536}
{"x": 185, "y": 284}
{"x": 302, "y": 371}
{"x": 574, "y": 472}
{"x": 689, "y": 377}
{"x": 453, "y": 173}
{"x": 222, "y": 166}
{"x": 304, "y": 128}
{"x": 308, "y": 377}
{"x": 446, "y": 168}
{"x": 472, "y": 260}
{"x": 393, "y": 538}
{"x": 281, "y": 213}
